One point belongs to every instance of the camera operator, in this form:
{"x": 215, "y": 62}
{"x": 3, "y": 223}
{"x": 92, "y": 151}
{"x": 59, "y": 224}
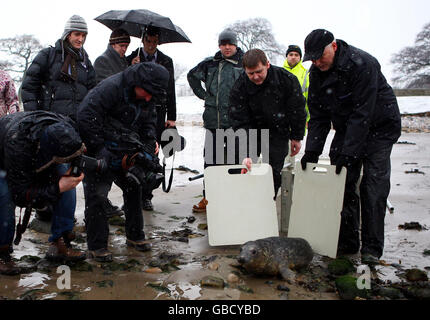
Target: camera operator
{"x": 35, "y": 149}
{"x": 117, "y": 122}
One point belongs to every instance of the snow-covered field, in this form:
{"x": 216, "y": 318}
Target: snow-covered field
{"x": 190, "y": 108}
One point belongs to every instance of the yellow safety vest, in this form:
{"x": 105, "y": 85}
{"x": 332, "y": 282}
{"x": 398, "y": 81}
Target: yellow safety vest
{"x": 302, "y": 75}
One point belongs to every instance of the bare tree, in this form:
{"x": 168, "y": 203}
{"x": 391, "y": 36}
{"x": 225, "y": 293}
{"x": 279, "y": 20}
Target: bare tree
{"x": 412, "y": 64}
{"x": 19, "y": 51}
{"x": 257, "y": 33}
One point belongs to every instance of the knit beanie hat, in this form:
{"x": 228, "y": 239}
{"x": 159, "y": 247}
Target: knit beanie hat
{"x": 119, "y": 36}
{"x": 227, "y": 36}
{"x": 294, "y": 48}
{"x": 75, "y": 23}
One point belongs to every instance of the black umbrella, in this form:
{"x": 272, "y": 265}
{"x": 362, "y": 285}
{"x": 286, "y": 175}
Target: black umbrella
{"x": 135, "y": 23}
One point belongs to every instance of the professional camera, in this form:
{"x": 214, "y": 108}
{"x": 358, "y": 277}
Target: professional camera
{"x": 87, "y": 164}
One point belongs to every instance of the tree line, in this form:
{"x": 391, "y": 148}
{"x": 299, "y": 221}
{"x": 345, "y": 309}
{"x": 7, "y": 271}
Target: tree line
{"x": 411, "y": 64}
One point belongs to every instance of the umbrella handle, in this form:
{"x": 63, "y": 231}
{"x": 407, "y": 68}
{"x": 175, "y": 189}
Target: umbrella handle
{"x": 141, "y": 41}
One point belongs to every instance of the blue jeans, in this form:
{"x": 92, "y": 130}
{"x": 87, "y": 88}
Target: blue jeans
{"x": 64, "y": 210}
{"x": 7, "y": 214}
{"x": 62, "y": 218}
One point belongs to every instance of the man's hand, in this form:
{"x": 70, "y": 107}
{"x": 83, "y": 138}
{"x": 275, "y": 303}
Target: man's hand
{"x": 309, "y": 156}
{"x": 246, "y": 162}
{"x": 170, "y": 124}
{"x": 157, "y": 147}
{"x": 344, "y": 161}
{"x": 135, "y": 60}
{"x": 68, "y": 182}
{"x": 295, "y": 147}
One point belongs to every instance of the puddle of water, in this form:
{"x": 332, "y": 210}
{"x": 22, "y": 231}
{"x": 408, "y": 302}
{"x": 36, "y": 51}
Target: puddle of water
{"x": 33, "y": 280}
{"x": 49, "y": 296}
{"x": 184, "y": 290}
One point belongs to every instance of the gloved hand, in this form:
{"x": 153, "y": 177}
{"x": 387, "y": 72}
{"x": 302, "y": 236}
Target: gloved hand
{"x": 136, "y": 174}
{"x": 112, "y": 161}
{"x": 309, "y": 156}
{"x": 344, "y": 161}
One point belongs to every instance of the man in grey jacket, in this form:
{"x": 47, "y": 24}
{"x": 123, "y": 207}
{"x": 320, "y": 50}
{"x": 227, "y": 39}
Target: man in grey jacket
{"x": 218, "y": 74}
{"x": 113, "y": 59}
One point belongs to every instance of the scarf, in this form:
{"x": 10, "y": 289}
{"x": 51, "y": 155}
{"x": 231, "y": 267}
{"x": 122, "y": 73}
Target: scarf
{"x": 72, "y": 56}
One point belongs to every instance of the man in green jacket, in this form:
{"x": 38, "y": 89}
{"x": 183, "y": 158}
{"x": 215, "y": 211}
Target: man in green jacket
{"x": 218, "y": 73}
{"x": 293, "y": 64}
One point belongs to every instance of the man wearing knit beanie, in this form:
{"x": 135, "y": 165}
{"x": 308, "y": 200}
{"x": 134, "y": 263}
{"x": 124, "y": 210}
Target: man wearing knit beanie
{"x": 113, "y": 60}
{"x": 59, "y": 77}
{"x": 293, "y": 64}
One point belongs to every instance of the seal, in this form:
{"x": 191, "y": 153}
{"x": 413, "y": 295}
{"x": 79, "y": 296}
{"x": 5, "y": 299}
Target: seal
{"x": 275, "y": 256}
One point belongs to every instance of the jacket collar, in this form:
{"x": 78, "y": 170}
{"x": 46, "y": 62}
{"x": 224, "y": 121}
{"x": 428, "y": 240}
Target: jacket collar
{"x": 234, "y": 59}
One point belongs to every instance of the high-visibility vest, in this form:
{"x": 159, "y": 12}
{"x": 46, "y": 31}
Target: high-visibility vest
{"x": 302, "y": 75}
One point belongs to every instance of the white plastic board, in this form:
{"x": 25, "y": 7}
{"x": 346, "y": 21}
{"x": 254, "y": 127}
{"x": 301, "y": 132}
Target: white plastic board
{"x": 316, "y": 206}
{"x": 240, "y": 206}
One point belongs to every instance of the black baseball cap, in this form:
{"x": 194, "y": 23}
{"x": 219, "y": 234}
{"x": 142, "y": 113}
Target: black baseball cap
{"x": 315, "y": 43}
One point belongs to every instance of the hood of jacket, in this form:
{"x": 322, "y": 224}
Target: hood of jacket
{"x": 150, "y": 76}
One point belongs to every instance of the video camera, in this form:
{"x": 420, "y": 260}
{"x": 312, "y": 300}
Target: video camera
{"x": 146, "y": 168}
{"x": 87, "y": 164}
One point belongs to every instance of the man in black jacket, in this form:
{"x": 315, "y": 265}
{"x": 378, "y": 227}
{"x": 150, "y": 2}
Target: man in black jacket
{"x": 269, "y": 97}
{"x": 111, "y": 62}
{"x": 349, "y": 92}
{"x": 34, "y": 148}
{"x": 117, "y": 122}
{"x": 150, "y": 53}
{"x": 59, "y": 77}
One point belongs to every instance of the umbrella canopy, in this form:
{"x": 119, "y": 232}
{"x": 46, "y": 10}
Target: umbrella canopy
{"x": 135, "y": 23}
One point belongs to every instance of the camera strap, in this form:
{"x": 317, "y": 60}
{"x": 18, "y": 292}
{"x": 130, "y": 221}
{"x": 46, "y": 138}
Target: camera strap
{"x": 166, "y": 190}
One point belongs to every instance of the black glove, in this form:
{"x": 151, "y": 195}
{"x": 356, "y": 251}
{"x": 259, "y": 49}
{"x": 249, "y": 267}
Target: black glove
{"x": 136, "y": 174}
{"x": 344, "y": 161}
{"x": 112, "y": 161}
{"x": 309, "y": 156}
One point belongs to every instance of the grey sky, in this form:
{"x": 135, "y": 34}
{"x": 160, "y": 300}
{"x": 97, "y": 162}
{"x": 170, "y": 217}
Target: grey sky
{"x": 381, "y": 27}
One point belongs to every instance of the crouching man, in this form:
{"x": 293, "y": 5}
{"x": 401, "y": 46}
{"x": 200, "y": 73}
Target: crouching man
{"x": 35, "y": 149}
{"x": 117, "y": 121}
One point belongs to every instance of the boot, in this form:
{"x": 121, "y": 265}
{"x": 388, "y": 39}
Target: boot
{"x": 100, "y": 255}
{"x": 140, "y": 245}
{"x": 147, "y": 205}
{"x": 61, "y": 250}
{"x": 112, "y": 211}
{"x": 7, "y": 266}
{"x": 201, "y": 206}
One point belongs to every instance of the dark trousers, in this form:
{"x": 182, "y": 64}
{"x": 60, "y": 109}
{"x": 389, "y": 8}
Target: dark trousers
{"x": 96, "y": 188}
{"x": 161, "y": 122}
{"x": 374, "y": 189}
{"x": 211, "y": 151}
{"x": 278, "y": 150}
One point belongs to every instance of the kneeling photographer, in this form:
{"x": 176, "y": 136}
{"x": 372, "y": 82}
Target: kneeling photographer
{"x": 36, "y": 148}
{"x": 117, "y": 121}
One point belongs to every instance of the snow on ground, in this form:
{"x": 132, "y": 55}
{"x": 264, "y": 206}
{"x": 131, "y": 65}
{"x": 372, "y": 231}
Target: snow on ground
{"x": 414, "y": 104}
{"x": 189, "y": 108}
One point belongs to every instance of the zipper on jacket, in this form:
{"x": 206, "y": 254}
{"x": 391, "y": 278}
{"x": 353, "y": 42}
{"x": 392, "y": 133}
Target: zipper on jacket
{"x": 220, "y": 66}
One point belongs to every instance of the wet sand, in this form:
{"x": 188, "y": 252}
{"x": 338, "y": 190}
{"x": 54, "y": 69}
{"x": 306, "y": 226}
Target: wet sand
{"x": 195, "y": 259}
